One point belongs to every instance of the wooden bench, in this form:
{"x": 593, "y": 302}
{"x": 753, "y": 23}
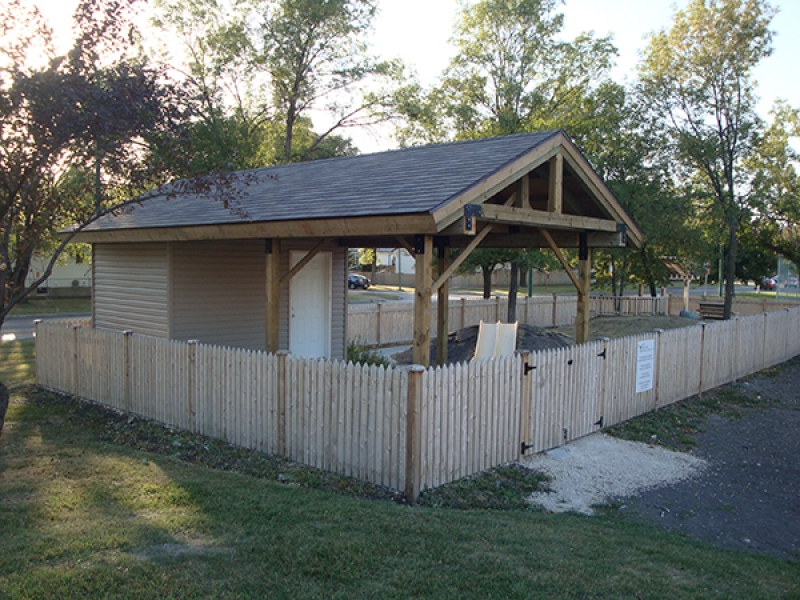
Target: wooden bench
{"x": 712, "y": 311}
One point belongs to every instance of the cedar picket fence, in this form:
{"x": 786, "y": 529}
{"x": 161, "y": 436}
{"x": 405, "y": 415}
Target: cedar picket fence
{"x": 391, "y": 323}
{"x": 404, "y": 428}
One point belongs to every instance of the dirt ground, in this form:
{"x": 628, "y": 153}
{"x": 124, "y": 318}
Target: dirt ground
{"x": 749, "y": 496}
{"x": 461, "y": 344}
{"x": 614, "y": 327}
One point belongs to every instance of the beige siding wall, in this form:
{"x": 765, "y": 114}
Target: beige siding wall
{"x": 218, "y": 293}
{"x": 131, "y": 288}
{"x": 338, "y": 296}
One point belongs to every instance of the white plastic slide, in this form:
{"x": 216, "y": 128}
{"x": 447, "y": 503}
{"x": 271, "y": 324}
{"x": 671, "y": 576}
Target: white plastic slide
{"x": 495, "y": 339}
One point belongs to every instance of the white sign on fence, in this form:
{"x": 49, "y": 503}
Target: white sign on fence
{"x": 645, "y": 359}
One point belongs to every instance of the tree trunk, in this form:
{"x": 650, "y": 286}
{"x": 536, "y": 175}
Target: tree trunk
{"x": 730, "y": 269}
{"x": 513, "y": 288}
{"x": 487, "y": 281}
{"x": 3, "y": 404}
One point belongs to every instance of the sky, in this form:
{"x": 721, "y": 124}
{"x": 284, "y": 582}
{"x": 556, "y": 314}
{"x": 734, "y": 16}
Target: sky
{"x": 418, "y": 31}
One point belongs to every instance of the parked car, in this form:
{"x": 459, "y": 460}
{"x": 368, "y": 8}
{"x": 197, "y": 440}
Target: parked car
{"x": 769, "y": 283}
{"x": 357, "y": 281}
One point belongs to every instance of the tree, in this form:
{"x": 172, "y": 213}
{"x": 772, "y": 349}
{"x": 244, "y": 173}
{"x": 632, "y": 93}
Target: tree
{"x": 74, "y": 133}
{"x": 697, "y": 79}
{"x": 314, "y": 52}
{"x": 776, "y": 182}
{"x": 511, "y": 73}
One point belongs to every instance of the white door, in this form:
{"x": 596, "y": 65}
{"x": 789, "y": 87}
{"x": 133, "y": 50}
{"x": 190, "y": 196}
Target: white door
{"x": 310, "y": 307}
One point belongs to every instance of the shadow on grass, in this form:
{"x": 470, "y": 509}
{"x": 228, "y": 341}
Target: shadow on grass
{"x": 85, "y": 515}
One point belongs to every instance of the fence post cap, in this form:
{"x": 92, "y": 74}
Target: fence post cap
{"x": 130, "y": 332}
{"x": 189, "y": 341}
{"x": 416, "y": 369}
{"x": 604, "y": 339}
{"x": 282, "y": 353}
{"x": 658, "y": 330}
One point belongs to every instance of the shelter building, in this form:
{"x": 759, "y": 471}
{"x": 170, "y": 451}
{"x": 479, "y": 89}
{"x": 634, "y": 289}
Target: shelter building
{"x": 268, "y": 270}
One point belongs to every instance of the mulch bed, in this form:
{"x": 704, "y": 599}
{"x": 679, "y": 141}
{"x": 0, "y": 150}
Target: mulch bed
{"x": 749, "y": 496}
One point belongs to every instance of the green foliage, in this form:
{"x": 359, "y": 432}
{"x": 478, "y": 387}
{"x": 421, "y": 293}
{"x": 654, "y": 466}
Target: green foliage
{"x": 503, "y": 488}
{"x": 696, "y": 82}
{"x": 361, "y": 354}
{"x": 75, "y": 131}
{"x": 511, "y": 73}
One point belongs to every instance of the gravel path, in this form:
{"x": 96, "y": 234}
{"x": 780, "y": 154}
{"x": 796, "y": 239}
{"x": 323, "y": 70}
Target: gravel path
{"x": 740, "y": 488}
{"x": 598, "y": 467}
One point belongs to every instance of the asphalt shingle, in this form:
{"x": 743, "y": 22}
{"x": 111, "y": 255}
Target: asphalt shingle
{"x": 406, "y": 181}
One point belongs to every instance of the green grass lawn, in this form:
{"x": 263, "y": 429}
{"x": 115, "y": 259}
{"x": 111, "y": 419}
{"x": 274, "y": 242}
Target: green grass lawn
{"x": 47, "y": 306}
{"x": 94, "y": 504}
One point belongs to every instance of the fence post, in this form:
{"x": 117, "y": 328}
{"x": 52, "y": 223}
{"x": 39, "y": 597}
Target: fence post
{"x": 192, "y": 382}
{"x": 764, "y": 343}
{"x": 602, "y": 421}
{"x": 281, "y": 355}
{"x": 463, "y": 312}
{"x": 555, "y": 302}
{"x": 414, "y": 434}
{"x": 75, "y": 382}
{"x": 657, "y": 394}
{"x": 525, "y": 403}
{"x": 38, "y": 349}
{"x": 702, "y": 355}
{"x": 736, "y": 351}
{"x": 378, "y": 324}
{"x": 497, "y": 308}
{"x": 126, "y": 360}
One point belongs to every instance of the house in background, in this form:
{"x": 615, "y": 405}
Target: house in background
{"x": 68, "y": 279}
{"x": 271, "y": 274}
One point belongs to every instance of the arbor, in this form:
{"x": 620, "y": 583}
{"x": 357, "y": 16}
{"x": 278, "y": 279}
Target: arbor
{"x": 696, "y": 78}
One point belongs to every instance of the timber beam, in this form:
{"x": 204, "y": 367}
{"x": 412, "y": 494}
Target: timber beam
{"x": 510, "y": 215}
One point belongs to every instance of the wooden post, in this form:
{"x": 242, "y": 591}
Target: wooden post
{"x": 422, "y": 301}
{"x": 192, "y": 381}
{"x": 281, "y": 356}
{"x": 657, "y": 375}
{"x": 442, "y": 309}
{"x": 585, "y": 278}
{"x": 686, "y": 294}
{"x": 126, "y": 359}
{"x": 702, "y": 356}
{"x": 555, "y": 184}
{"x": 602, "y": 421}
{"x": 38, "y": 351}
{"x": 526, "y": 399}
{"x": 463, "y": 312}
{"x": 414, "y": 434}
{"x": 497, "y": 308}
{"x": 273, "y": 283}
{"x": 555, "y": 309}
{"x": 378, "y": 324}
{"x": 75, "y": 382}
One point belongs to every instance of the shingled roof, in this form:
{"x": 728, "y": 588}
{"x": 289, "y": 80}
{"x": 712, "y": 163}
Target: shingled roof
{"x": 426, "y": 181}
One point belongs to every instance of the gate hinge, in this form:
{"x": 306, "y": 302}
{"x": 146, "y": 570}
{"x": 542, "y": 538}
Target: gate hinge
{"x": 526, "y": 447}
{"x": 603, "y": 353}
{"x": 529, "y": 368}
